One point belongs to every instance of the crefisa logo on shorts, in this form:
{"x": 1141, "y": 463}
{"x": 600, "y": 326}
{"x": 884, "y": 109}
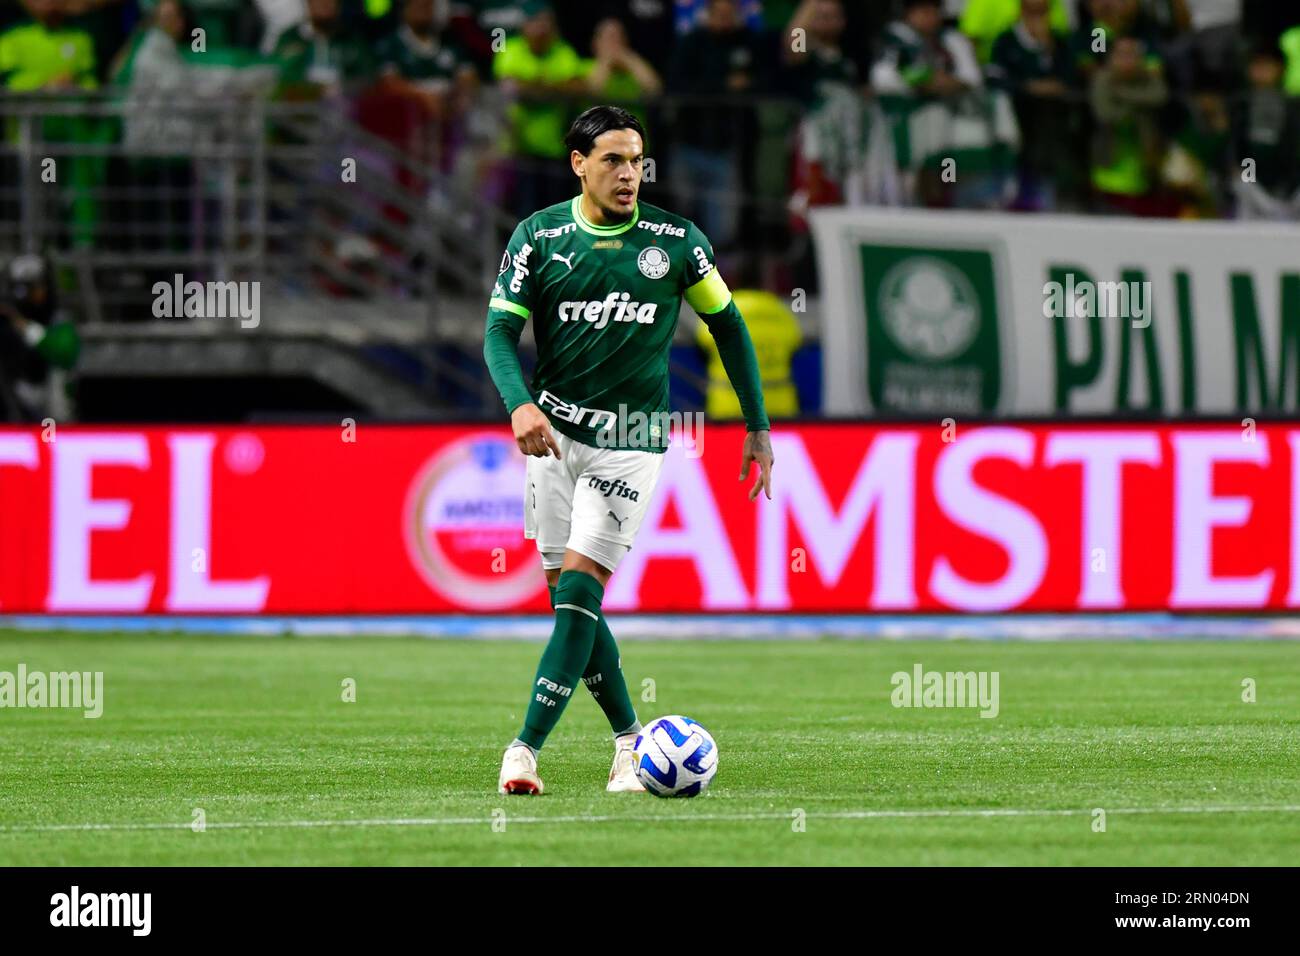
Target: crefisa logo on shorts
{"x": 463, "y": 519}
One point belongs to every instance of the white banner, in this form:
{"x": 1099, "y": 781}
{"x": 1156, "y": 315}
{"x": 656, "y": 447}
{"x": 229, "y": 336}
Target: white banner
{"x": 948, "y": 313}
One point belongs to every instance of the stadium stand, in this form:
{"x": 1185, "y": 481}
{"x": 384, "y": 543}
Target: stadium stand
{"x": 363, "y": 162}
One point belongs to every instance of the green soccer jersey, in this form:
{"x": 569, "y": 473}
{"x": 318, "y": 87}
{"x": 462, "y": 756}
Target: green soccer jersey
{"x": 433, "y": 62}
{"x": 603, "y": 301}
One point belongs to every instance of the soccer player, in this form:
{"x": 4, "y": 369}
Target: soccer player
{"x": 601, "y": 277}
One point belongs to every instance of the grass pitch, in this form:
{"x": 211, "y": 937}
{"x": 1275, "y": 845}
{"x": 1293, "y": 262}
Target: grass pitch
{"x": 816, "y": 765}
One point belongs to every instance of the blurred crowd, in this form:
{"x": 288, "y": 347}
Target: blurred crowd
{"x": 758, "y": 109}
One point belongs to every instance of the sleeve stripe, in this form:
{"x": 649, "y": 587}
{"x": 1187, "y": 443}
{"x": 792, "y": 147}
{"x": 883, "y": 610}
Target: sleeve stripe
{"x": 709, "y": 295}
{"x": 507, "y": 306}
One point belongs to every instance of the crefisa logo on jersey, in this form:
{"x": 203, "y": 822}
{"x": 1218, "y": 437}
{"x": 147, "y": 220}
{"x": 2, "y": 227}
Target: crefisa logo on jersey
{"x": 615, "y": 307}
{"x": 653, "y": 262}
{"x": 520, "y": 262}
{"x": 663, "y": 229}
{"x": 463, "y": 523}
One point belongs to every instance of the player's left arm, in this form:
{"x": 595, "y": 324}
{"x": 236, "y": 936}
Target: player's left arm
{"x": 712, "y": 301}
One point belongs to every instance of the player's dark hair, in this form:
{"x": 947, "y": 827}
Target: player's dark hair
{"x": 590, "y": 125}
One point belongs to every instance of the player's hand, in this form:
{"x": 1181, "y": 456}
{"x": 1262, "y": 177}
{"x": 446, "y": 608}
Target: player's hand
{"x": 758, "y": 448}
{"x": 533, "y": 432}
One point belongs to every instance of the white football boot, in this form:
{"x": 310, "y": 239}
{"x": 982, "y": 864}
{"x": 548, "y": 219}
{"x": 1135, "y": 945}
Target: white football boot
{"x": 519, "y": 772}
{"x": 622, "y": 776}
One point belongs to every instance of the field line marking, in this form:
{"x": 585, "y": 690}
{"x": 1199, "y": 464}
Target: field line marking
{"x": 633, "y": 818}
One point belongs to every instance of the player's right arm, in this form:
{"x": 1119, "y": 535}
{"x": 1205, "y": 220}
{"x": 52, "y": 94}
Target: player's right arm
{"x": 508, "y": 312}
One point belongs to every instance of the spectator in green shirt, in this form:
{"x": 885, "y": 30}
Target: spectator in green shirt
{"x": 427, "y": 85}
{"x": 985, "y": 20}
{"x": 618, "y": 70}
{"x": 618, "y": 73}
{"x": 318, "y": 59}
{"x": 818, "y": 68}
{"x": 832, "y": 136}
{"x": 1034, "y": 63}
{"x": 541, "y": 73}
{"x": 1104, "y": 22}
{"x": 1127, "y": 94}
{"x": 420, "y": 64}
{"x": 48, "y": 55}
{"x": 160, "y": 119}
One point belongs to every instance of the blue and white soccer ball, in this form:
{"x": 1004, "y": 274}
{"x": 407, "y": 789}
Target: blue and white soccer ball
{"x": 675, "y": 757}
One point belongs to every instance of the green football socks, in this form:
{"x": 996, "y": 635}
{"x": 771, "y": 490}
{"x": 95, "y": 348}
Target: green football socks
{"x": 601, "y": 671}
{"x": 604, "y": 678}
{"x": 577, "y": 616}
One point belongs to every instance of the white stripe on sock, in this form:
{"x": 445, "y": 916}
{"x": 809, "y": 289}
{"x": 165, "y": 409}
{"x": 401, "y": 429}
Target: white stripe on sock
{"x": 574, "y": 607}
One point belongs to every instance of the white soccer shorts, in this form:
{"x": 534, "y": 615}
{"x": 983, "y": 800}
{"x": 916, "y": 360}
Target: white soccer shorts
{"x": 592, "y": 500}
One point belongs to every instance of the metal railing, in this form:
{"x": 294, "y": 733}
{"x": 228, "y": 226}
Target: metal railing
{"x": 347, "y": 231}
{"x": 334, "y": 215}
{"x": 296, "y": 195}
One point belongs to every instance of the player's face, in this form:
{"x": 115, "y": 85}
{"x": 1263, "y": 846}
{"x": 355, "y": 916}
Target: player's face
{"x": 611, "y": 172}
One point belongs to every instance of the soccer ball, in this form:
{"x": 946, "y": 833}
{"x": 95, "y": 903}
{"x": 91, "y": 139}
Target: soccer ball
{"x": 675, "y": 757}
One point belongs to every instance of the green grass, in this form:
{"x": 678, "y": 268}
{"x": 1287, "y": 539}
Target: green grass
{"x": 254, "y": 730}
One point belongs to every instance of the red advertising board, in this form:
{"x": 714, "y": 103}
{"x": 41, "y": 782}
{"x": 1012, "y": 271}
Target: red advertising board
{"x": 414, "y": 519}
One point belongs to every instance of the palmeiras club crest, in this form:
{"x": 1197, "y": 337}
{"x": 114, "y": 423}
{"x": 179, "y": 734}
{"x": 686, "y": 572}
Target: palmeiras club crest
{"x": 653, "y": 262}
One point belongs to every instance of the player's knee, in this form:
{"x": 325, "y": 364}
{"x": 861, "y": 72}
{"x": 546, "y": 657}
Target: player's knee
{"x": 581, "y": 592}
{"x": 599, "y": 567}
